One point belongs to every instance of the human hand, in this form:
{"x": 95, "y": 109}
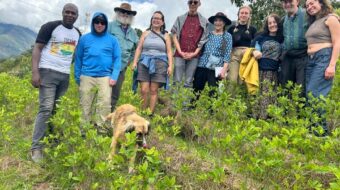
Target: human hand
{"x": 36, "y": 79}
{"x": 133, "y": 66}
{"x": 222, "y": 75}
{"x": 257, "y": 54}
{"x": 329, "y": 72}
{"x": 185, "y": 55}
{"x": 112, "y": 82}
{"x": 169, "y": 71}
{"x": 190, "y": 56}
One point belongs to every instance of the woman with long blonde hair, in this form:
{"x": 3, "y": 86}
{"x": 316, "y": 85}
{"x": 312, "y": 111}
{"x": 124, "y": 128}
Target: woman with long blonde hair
{"x": 243, "y": 33}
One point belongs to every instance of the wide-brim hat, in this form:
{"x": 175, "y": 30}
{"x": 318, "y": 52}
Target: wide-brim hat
{"x": 125, "y": 7}
{"x": 222, "y": 16}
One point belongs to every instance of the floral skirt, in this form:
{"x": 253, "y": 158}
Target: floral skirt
{"x": 267, "y": 93}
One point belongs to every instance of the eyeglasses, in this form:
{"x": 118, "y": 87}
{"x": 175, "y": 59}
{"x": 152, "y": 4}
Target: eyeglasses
{"x": 99, "y": 22}
{"x": 192, "y": 2}
{"x": 156, "y": 18}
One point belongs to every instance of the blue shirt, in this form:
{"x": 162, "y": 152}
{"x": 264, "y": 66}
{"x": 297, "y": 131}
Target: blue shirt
{"x": 97, "y": 55}
{"x": 127, "y": 41}
{"x": 214, "y": 47}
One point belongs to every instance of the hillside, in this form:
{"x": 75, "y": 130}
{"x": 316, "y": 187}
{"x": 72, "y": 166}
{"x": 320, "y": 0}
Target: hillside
{"x": 216, "y": 145}
{"x": 15, "y": 40}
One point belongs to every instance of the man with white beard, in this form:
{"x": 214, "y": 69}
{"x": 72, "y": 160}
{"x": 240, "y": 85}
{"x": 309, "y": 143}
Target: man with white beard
{"x": 120, "y": 27}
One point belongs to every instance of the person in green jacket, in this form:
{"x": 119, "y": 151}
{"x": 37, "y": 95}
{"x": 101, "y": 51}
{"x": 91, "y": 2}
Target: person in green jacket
{"x": 121, "y": 28}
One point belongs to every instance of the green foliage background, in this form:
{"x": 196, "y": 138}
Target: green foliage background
{"x": 214, "y": 146}
{"x": 217, "y": 145}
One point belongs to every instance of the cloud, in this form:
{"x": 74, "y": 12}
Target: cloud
{"x": 34, "y": 13}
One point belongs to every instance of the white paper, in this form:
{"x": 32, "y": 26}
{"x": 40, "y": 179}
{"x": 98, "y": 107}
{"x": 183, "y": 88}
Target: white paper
{"x": 218, "y": 71}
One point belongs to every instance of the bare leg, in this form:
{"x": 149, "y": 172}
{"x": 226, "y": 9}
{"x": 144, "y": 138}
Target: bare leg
{"x": 153, "y": 95}
{"x": 145, "y": 89}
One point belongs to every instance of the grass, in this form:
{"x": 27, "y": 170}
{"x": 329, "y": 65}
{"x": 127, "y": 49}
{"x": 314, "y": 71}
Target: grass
{"x": 198, "y": 150}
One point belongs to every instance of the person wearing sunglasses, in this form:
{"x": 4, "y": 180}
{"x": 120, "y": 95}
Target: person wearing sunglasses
{"x": 96, "y": 70}
{"x": 51, "y": 61}
{"x": 189, "y": 35}
{"x": 121, "y": 28}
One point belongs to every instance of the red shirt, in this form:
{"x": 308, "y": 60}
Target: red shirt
{"x": 190, "y": 34}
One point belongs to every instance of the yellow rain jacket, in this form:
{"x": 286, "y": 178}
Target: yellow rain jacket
{"x": 249, "y": 71}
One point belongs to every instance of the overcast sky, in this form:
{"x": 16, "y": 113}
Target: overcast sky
{"x": 34, "y": 13}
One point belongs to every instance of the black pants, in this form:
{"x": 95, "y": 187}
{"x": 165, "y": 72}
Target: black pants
{"x": 116, "y": 90}
{"x": 293, "y": 69}
{"x": 202, "y": 76}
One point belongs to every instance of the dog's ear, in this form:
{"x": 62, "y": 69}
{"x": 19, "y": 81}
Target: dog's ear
{"x": 110, "y": 116}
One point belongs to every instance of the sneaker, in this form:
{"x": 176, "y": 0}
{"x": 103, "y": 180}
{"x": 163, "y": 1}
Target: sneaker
{"x": 37, "y": 155}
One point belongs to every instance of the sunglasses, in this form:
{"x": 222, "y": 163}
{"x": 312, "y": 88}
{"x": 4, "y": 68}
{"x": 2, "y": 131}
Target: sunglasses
{"x": 125, "y": 12}
{"x": 99, "y": 22}
{"x": 192, "y": 2}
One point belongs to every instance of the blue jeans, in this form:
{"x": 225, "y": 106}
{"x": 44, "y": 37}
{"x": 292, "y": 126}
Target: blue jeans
{"x": 53, "y": 85}
{"x": 315, "y": 73}
{"x": 315, "y": 77}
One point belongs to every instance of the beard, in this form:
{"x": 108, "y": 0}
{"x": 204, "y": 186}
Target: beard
{"x": 124, "y": 20}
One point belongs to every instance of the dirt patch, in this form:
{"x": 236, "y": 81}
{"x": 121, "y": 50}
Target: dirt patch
{"x": 8, "y": 162}
{"x": 42, "y": 186}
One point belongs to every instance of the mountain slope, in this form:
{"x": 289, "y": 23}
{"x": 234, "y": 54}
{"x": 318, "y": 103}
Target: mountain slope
{"x": 15, "y": 40}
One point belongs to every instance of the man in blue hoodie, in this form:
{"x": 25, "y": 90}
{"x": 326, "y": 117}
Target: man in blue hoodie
{"x": 96, "y": 70}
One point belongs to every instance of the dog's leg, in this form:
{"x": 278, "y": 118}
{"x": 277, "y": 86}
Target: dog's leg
{"x": 113, "y": 149}
{"x": 132, "y": 160}
{"x": 113, "y": 146}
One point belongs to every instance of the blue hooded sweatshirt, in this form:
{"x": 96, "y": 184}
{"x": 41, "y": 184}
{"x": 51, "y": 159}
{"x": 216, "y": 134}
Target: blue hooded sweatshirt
{"x": 97, "y": 54}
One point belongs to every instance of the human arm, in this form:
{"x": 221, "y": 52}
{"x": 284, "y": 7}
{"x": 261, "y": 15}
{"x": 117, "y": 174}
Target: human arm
{"x": 169, "y": 53}
{"x": 257, "y": 51}
{"x": 43, "y": 38}
{"x": 227, "y": 54}
{"x": 36, "y": 55}
{"x": 135, "y": 40}
{"x": 79, "y": 54}
{"x": 116, "y": 61}
{"x": 334, "y": 27}
{"x": 177, "y": 46}
{"x": 139, "y": 50}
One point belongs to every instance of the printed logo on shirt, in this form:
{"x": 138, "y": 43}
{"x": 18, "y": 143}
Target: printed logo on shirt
{"x": 65, "y": 48}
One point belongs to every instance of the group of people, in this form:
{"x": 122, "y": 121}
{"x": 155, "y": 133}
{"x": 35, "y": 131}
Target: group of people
{"x": 305, "y": 44}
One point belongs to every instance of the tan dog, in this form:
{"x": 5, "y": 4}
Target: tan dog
{"x": 125, "y": 119}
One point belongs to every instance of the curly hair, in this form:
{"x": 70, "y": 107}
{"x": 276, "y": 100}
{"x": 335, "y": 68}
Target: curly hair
{"x": 279, "y": 33}
{"x": 326, "y": 8}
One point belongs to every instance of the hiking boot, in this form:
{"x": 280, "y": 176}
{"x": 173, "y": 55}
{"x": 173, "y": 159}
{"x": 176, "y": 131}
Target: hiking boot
{"x": 37, "y": 155}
